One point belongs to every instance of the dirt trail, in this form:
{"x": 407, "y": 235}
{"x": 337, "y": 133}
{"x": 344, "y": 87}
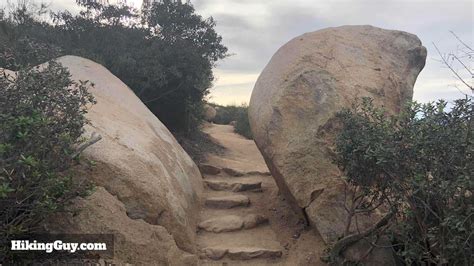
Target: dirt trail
{"x": 245, "y": 221}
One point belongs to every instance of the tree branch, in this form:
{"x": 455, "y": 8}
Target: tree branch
{"x": 94, "y": 139}
{"x": 342, "y": 244}
{"x": 459, "y": 39}
{"x": 452, "y": 69}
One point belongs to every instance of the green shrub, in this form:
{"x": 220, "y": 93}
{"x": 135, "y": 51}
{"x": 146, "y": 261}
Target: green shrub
{"x": 242, "y": 125}
{"x": 41, "y": 121}
{"x": 164, "y": 54}
{"x": 225, "y": 114}
{"x": 419, "y": 166}
{"x": 239, "y": 114}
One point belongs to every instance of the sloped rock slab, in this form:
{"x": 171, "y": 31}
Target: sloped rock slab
{"x": 227, "y": 202}
{"x": 235, "y": 187}
{"x": 231, "y": 223}
{"x": 243, "y": 253}
{"x": 258, "y": 173}
{"x": 135, "y": 149}
{"x": 207, "y": 169}
{"x": 232, "y": 172}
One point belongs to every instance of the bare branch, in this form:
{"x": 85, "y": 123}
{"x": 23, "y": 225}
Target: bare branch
{"x": 452, "y": 69}
{"x": 462, "y": 63}
{"x": 459, "y": 39}
{"x": 347, "y": 241}
{"x": 94, "y": 139}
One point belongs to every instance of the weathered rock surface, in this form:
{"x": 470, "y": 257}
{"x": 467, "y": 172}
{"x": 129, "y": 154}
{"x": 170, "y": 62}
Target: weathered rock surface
{"x": 208, "y": 169}
{"x": 295, "y": 99}
{"x": 232, "y": 172}
{"x": 254, "y": 220}
{"x": 241, "y": 253}
{"x": 234, "y": 186}
{"x": 227, "y": 202}
{"x": 231, "y": 223}
{"x": 227, "y": 223}
{"x": 136, "y": 241}
{"x": 141, "y": 164}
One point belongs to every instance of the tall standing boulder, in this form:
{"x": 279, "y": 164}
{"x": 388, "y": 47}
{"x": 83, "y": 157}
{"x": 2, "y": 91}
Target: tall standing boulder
{"x": 294, "y": 102}
{"x": 209, "y": 113}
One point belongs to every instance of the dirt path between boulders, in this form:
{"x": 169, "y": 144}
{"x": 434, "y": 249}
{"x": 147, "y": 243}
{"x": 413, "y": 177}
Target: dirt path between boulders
{"x": 245, "y": 221}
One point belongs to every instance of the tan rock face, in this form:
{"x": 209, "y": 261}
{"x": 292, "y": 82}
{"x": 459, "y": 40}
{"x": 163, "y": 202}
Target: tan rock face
{"x": 138, "y": 160}
{"x": 229, "y": 223}
{"x": 207, "y": 169}
{"x": 209, "y": 113}
{"x": 227, "y": 202}
{"x": 298, "y": 93}
{"x": 135, "y": 241}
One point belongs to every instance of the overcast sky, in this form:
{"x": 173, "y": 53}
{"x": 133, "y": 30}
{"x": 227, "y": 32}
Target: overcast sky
{"x": 254, "y": 29}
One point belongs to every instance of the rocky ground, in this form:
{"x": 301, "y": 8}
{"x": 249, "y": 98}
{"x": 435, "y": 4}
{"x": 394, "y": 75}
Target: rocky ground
{"x": 245, "y": 220}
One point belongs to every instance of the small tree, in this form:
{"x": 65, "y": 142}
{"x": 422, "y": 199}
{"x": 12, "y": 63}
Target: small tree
{"x": 190, "y": 48}
{"x": 41, "y": 120}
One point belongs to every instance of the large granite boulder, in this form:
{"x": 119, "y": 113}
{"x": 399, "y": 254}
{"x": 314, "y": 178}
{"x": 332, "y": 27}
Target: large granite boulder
{"x": 148, "y": 180}
{"x": 293, "y": 105}
{"x": 136, "y": 242}
{"x": 209, "y": 113}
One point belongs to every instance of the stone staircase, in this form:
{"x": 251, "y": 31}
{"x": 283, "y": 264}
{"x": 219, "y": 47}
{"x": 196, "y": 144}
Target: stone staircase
{"x": 231, "y": 227}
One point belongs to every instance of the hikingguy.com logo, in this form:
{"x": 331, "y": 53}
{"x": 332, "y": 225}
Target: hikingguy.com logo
{"x": 65, "y": 245}
{"x": 58, "y": 245}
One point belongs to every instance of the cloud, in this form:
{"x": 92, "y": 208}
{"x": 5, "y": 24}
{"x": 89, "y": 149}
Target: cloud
{"x": 226, "y": 78}
{"x": 232, "y": 87}
{"x": 235, "y": 94}
{"x": 253, "y": 30}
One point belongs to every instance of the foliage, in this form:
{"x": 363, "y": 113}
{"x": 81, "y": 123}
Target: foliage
{"x": 242, "y": 124}
{"x": 41, "y": 120}
{"x": 227, "y": 114}
{"x": 165, "y": 54}
{"x": 417, "y": 164}
{"x": 17, "y": 46}
{"x": 191, "y": 47}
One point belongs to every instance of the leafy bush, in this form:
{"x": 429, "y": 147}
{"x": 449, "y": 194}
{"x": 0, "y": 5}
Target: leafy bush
{"x": 242, "y": 124}
{"x": 41, "y": 120}
{"x": 419, "y": 166}
{"x": 227, "y": 114}
{"x": 18, "y": 47}
{"x": 165, "y": 54}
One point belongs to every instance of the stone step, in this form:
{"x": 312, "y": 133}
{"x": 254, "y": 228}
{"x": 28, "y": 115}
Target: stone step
{"x": 232, "y": 172}
{"x": 208, "y": 169}
{"x": 231, "y": 223}
{"x": 227, "y": 202}
{"x": 258, "y": 173}
{"x": 241, "y": 253}
{"x": 254, "y": 186}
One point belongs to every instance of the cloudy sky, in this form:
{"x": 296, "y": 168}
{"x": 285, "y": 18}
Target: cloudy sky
{"x": 254, "y": 29}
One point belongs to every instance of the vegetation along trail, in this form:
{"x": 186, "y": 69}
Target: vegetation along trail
{"x": 244, "y": 219}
